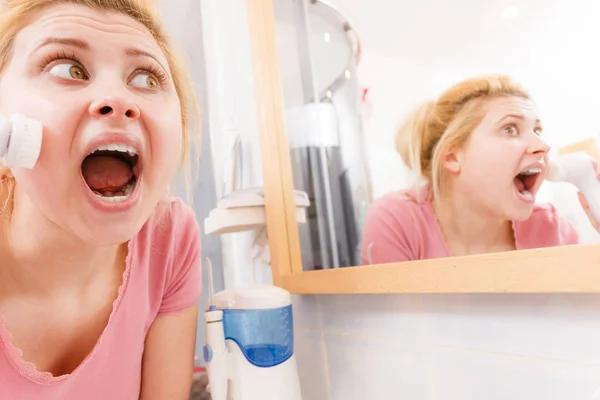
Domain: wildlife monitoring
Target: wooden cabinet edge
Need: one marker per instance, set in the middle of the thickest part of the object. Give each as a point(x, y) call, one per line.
point(565, 269)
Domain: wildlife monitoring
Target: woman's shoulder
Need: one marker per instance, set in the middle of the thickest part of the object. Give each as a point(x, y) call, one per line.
point(172, 221)
point(401, 226)
point(403, 212)
point(544, 213)
point(402, 203)
point(545, 227)
point(167, 253)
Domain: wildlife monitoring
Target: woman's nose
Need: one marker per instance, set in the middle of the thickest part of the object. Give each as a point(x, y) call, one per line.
point(537, 145)
point(114, 107)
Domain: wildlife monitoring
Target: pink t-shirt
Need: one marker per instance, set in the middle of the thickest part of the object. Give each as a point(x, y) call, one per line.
point(162, 276)
point(402, 227)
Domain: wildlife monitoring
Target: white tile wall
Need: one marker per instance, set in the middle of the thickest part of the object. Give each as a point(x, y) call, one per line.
point(393, 317)
point(312, 364)
point(446, 347)
point(362, 367)
point(460, 374)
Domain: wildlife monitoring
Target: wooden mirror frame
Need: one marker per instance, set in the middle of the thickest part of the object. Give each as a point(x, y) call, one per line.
point(563, 269)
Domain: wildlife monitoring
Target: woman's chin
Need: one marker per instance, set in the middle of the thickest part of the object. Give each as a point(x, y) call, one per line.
point(109, 234)
point(521, 213)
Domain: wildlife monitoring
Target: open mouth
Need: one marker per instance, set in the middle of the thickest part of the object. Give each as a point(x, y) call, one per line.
point(112, 171)
point(525, 182)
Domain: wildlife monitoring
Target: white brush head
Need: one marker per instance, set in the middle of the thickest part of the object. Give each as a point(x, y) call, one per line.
point(25, 143)
point(555, 172)
point(576, 168)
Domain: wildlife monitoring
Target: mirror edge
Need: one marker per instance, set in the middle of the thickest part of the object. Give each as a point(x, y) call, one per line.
point(562, 269)
point(282, 228)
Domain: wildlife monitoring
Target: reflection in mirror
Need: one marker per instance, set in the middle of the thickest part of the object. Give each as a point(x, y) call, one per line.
point(413, 148)
point(318, 52)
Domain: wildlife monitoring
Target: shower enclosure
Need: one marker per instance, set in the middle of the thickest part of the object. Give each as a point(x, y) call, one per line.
point(319, 51)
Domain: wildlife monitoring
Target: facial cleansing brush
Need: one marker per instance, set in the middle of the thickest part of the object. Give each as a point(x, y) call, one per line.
point(20, 141)
point(580, 170)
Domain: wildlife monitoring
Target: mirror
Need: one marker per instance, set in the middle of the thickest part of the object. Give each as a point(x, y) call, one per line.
point(351, 73)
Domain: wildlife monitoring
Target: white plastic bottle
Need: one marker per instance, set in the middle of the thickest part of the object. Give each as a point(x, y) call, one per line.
point(580, 170)
point(20, 141)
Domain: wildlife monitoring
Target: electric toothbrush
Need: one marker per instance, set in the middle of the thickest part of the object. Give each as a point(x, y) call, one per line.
point(215, 350)
point(20, 141)
point(580, 170)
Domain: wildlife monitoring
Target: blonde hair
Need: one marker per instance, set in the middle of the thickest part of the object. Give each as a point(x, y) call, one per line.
point(434, 127)
point(17, 14)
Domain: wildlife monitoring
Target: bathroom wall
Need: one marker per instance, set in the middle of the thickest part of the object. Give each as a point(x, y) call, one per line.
point(448, 347)
point(184, 24)
point(232, 114)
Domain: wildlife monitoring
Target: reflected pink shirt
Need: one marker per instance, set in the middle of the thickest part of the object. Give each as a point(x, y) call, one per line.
point(403, 227)
point(162, 276)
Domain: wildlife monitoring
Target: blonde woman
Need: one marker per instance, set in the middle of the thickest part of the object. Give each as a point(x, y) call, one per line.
point(99, 271)
point(480, 154)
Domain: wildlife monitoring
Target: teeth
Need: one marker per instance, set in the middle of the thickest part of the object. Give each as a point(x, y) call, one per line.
point(123, 148)
point(531, 171)
point(122, 195)
point(526, 193)
point(114, 199)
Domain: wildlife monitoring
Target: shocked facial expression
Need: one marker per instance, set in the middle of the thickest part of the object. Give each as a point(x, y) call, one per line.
point(503, 163)
point(112, 134)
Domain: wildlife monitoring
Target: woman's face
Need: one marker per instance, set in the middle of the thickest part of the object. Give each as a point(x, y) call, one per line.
point(503, 163)
point(100, 84)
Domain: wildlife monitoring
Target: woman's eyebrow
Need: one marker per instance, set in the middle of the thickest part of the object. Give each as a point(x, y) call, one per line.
point(82, 44)
point(66, 41)
point(517, 116)
point(133, 52)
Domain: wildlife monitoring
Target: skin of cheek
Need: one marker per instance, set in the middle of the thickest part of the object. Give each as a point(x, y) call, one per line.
point(50, 182)
point(53, 185)
point(488, 170)
point(166, 143)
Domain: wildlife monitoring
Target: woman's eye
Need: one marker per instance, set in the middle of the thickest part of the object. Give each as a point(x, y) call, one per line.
point(69, 71)
point(511, 130)
point(145, 80)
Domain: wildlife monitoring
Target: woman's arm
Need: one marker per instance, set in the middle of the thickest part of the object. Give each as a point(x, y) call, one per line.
point(168, 363)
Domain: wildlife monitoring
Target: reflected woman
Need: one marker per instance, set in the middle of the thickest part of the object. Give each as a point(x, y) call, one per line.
point(480, 153)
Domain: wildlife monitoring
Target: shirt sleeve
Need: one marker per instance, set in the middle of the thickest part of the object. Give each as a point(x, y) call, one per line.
point(184, 286)
point(545, 228)
point(566, 231)
point(389, 235)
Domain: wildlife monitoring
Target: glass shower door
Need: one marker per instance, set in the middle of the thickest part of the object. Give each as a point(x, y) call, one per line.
point(318, 54)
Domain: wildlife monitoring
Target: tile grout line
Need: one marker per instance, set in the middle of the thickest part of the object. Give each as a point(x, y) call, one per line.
point(324, 349)
point(426, 349)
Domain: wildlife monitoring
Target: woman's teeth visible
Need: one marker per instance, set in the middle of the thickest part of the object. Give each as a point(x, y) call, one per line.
point(114, 197)
point(122, 148)
point(531, 171)
point(527, 194)
point(524, 182)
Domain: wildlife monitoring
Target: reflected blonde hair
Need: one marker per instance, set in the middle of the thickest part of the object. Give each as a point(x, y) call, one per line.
point(435, 127)
point(17, 14)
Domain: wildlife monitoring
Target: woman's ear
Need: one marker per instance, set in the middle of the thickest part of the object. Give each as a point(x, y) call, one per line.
point(452, 160)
